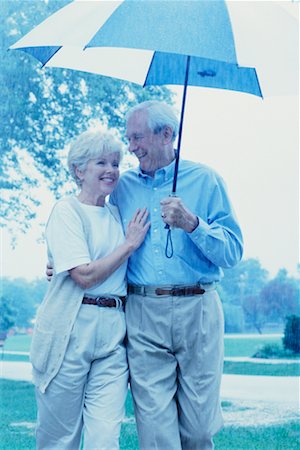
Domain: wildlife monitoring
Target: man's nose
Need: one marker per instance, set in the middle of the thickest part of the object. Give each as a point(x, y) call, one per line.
point(131, 146)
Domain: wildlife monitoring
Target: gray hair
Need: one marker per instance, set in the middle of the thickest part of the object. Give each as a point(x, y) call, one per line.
point(160, 115)
point(89, 145)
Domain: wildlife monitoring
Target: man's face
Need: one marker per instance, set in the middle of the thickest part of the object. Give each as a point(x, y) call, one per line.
point(148, 147)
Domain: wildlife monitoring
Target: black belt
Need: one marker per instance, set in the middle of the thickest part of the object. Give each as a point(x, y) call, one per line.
point(175, 291)
point(106, 302)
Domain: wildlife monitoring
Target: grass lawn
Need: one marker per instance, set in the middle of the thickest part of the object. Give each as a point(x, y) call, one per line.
point(235, 346)
point(18, 413)
point(252, 368)
point(276, 437)
point(18, 342)
point(7, 357)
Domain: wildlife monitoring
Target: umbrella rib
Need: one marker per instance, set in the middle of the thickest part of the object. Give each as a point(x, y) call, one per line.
point(50, 57)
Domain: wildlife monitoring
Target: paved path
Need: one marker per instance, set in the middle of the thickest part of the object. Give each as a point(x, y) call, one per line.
point(235, 387)
point(261, 388)
point(261, 360)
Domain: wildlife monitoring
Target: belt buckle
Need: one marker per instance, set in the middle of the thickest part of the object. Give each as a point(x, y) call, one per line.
point(119, 303)
point(98, 301)
point(176, 291)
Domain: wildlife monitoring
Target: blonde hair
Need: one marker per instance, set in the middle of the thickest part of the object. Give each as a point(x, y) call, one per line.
point(89, 145)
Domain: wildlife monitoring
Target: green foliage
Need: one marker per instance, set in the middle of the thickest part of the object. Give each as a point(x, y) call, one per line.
point(24, 297)
point(291, 339)
point(272, 351)
point(7, 313)
point(43, 109)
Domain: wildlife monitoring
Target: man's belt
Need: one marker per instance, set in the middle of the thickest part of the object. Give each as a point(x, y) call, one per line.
point(106, 302)
point(175, 291)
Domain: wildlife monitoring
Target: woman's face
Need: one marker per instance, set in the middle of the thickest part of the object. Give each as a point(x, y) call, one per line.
point(101, 174)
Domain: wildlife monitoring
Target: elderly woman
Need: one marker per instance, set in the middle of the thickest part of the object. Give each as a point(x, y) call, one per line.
point(78, 354)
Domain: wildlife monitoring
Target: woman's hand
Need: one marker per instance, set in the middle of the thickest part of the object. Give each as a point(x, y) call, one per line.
point(137, 228)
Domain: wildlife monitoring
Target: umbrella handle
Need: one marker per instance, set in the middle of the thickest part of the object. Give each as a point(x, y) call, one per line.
point(169, 244)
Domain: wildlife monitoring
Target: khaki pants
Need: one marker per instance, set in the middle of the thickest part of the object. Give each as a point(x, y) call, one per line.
point(90, 388)
point(175, 353)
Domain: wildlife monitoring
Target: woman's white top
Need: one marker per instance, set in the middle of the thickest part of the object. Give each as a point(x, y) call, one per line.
point(68, 246)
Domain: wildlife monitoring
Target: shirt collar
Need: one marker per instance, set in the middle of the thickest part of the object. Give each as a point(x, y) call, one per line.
point(166, 173)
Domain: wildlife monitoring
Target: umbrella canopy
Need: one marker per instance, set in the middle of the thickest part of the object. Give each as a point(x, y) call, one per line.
point(145, 42)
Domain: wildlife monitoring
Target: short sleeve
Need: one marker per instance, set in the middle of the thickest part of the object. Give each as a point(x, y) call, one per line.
point(67, 245)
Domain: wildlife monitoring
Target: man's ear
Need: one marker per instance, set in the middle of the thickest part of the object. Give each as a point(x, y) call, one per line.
point(167, 133)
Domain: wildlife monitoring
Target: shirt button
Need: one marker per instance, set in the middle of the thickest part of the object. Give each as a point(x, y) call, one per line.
point(155, 209)
point(156, 250)
point(155, 188)
point(160, 272)
point(155, 230)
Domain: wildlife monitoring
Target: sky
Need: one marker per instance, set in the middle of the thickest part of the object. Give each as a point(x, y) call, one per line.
point(252, 143)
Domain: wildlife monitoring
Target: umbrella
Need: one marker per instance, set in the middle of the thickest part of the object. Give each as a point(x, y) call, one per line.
point(147, 42)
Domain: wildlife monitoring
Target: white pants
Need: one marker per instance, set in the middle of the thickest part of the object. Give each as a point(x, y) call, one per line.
point(175, 353)
point(90, 389)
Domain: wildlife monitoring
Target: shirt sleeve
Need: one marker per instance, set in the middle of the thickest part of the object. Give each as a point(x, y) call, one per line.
point(67, 245)
point(219, 237)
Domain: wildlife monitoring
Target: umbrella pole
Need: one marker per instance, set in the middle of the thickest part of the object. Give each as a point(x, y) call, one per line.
point(181, 124)
point(169, 243)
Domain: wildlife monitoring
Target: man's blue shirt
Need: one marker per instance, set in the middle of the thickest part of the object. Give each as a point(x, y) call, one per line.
point(198, 256)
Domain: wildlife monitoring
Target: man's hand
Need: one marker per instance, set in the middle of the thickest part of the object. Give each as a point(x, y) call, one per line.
point(49, 271)
point(175, 214)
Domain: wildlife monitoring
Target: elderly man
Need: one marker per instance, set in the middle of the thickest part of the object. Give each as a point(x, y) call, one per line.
point(173, 312)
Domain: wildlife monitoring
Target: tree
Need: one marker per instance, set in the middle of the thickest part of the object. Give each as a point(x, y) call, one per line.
point(280, 297)
point(291, 339)
point(41, 110)
point(24, 297)
point(7, 316)
point(245, 279)
point(239, 292)
point(253, 311)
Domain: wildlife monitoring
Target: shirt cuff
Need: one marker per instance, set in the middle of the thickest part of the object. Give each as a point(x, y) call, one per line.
point(198, 236)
